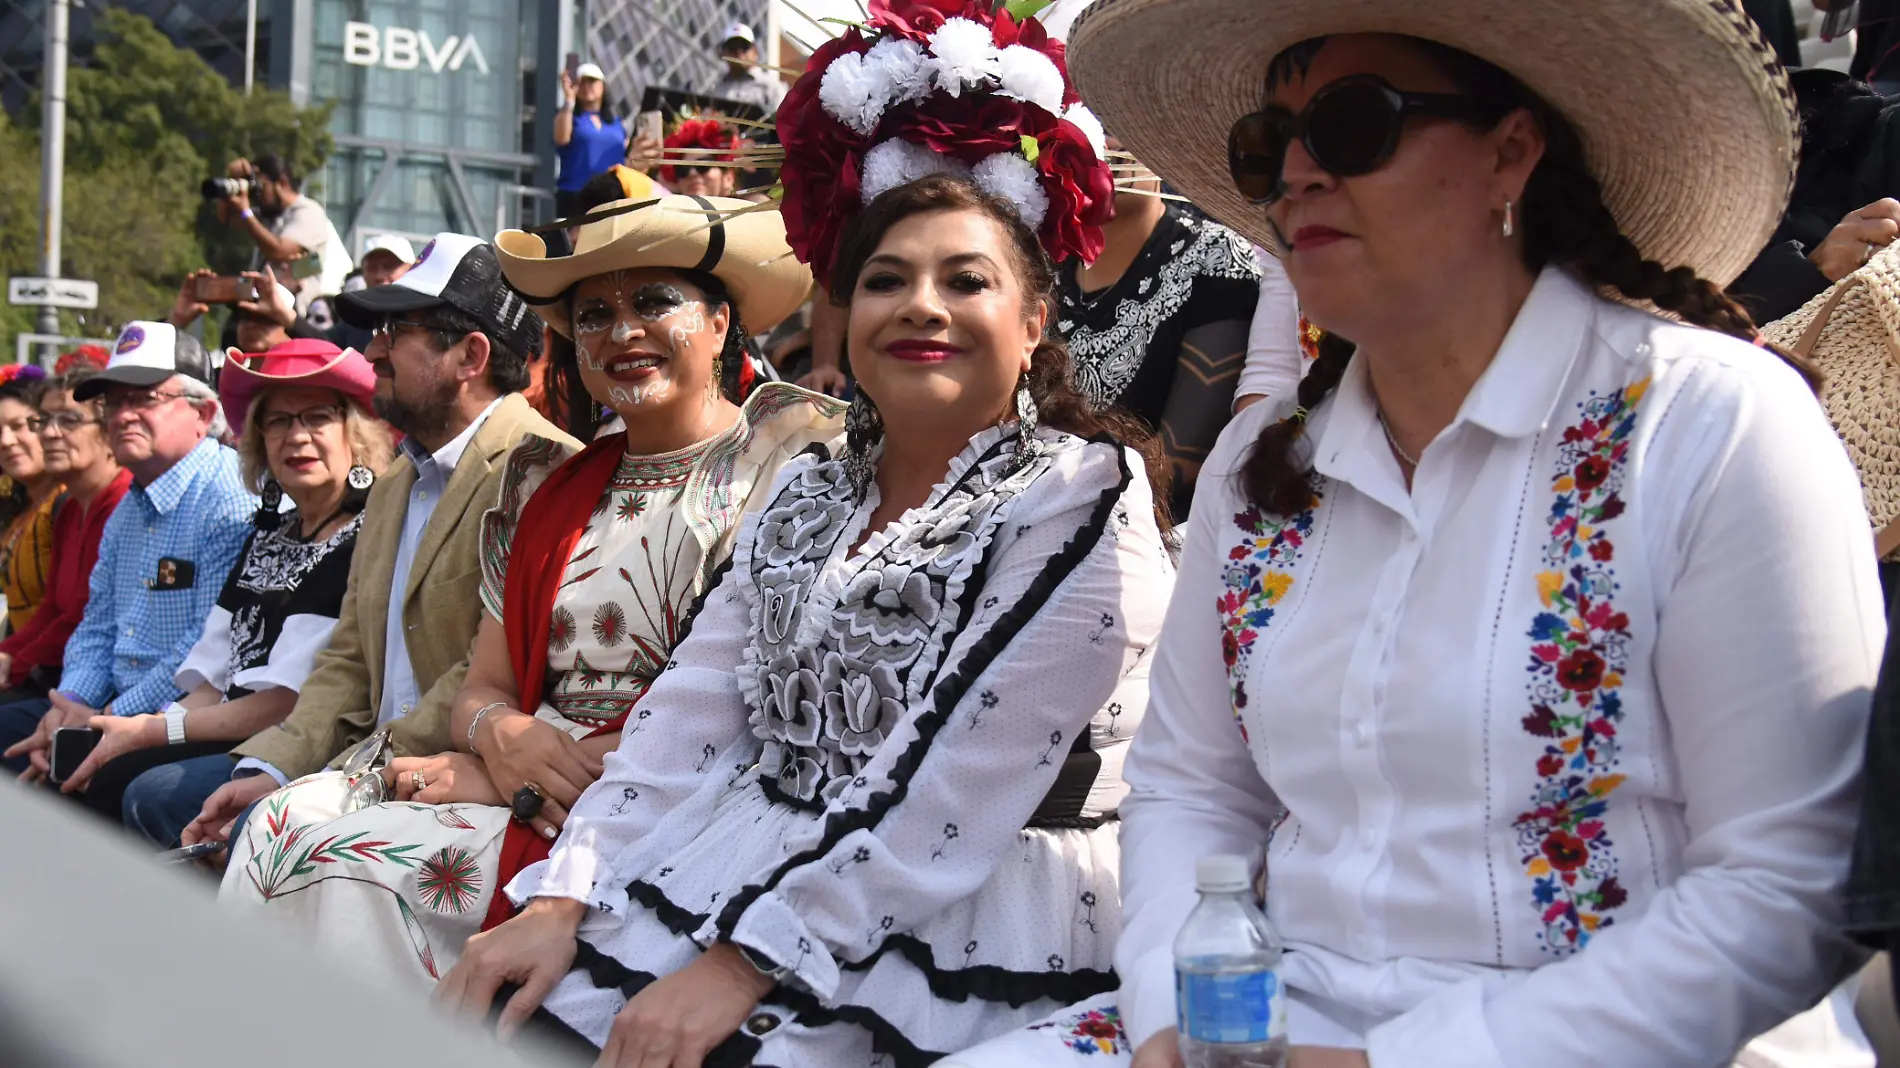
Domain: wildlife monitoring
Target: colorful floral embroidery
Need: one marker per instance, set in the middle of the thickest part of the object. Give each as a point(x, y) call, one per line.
point(1092, 1031)
point(450, 881)
point(1578, 657)
point(1257, 578)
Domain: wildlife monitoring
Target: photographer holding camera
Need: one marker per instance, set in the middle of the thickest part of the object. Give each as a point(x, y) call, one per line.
point(291, 231)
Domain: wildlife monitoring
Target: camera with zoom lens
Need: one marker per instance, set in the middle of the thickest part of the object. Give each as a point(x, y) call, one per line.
point(226, 188)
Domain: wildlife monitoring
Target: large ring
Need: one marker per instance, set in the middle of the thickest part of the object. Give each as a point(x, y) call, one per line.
point(527, 802)
point(421, 783)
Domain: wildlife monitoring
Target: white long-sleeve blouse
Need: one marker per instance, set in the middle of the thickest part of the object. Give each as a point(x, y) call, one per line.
point(1555, 755)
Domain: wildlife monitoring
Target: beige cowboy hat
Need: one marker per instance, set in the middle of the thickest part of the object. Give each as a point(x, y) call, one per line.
point(1686, 118)
point(736, 241)
point(1852, 333)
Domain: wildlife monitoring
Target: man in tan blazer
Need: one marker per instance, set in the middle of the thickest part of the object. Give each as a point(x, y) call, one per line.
point(450, 353)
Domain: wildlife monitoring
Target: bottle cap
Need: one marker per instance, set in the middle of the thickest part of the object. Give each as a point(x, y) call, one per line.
point(1222, 873)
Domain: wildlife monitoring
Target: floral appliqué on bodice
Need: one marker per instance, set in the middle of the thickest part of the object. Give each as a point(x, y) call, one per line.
point(843, 643)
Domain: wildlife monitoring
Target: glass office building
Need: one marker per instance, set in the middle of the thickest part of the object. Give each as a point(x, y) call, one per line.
point(442, 121)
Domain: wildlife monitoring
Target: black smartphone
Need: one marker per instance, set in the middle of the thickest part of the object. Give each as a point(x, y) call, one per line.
point(190, 852)
point(71, 747)
point(573, 66)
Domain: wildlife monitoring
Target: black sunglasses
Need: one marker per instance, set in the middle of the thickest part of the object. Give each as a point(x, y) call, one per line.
point(1351, 127)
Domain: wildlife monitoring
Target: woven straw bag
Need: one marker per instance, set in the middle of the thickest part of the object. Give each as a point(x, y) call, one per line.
point(1852, 332)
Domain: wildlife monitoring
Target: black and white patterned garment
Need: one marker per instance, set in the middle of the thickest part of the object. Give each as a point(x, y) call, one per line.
point(1167, 341)
point(906, 790)
point(275, 613)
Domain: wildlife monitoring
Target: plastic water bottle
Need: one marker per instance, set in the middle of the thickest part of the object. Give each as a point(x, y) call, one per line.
point(1230, 1004)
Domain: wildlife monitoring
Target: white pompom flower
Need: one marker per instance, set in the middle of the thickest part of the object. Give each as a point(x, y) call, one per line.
point(896, 161)
point(904, 67)
point(1016, 180)
point(966, 54)
point(1091, 128)
point(1031, 77)
point(854, 93)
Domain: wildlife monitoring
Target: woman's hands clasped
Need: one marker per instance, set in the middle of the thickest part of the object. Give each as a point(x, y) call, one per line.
point(519, 749)
point(442, 780)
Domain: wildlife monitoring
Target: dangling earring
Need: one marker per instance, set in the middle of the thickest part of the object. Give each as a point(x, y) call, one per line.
point(1028, 446)
point(715, 386)
point(356, 493)
point(863, 429)
point(268, 503)
point(1510, 217)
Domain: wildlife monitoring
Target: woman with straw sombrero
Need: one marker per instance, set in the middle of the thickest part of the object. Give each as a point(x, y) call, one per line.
point(1533, 640)
point(591, 567)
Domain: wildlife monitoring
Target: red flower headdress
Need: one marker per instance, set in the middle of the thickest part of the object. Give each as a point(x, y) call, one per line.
point(942, 86)
point(93, 356)
point(709, 134)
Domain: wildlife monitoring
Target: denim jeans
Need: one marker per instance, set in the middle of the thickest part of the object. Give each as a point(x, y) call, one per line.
point(162, 801)
point(18, 721)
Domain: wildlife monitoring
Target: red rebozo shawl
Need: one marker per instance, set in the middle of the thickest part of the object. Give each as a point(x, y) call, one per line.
point(549, 527)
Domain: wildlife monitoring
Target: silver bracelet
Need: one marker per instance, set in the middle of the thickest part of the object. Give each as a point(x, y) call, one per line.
point(477, 721)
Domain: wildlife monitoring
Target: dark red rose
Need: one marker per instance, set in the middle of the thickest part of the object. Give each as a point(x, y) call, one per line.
point(822, 161)
point(918, 19)
point(1549, 764)
point(1229, 647)
point(1565, 851)
point(1611, 895)
point(1591, 472)
point(1095, 1028)
point(1581, 671)
point(1080, 187)
point(971, 127)
point(1602, 551)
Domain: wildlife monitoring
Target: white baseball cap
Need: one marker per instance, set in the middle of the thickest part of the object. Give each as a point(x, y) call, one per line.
point(147, 354)
point(739, 31)
point(589, 70)
point(394, 244)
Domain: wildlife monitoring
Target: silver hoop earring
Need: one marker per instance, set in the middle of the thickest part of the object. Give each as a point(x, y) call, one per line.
point(1510, 217)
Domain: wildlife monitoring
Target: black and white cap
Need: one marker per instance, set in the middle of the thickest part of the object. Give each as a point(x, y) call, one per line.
point(461, 272)
point(150, 353)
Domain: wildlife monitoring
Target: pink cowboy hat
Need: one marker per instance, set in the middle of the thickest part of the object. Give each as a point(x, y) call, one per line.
point(303, 362)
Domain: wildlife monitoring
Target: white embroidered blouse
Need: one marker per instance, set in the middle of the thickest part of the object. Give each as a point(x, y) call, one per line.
point(1555, 756)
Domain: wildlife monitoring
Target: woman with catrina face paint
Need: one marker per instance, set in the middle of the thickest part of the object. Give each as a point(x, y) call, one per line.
point(592, 566)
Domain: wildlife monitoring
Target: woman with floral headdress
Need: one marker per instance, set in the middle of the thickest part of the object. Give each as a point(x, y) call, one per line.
point(872, 815)
point(1533, 638)
point(592, 567)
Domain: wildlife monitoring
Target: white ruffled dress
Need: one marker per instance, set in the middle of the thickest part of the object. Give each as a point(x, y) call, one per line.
point(905, 791)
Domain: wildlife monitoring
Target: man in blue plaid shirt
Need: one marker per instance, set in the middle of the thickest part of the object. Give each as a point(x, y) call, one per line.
point(165, 552)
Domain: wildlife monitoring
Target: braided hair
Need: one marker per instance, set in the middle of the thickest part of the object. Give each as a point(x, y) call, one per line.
point(1564, 221)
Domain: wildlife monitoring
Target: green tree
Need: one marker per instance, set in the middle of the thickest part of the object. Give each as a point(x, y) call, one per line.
point(146, 122)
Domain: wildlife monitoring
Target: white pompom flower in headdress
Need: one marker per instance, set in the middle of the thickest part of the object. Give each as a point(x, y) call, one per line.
point(1015, 179)
point(905, 69)
point(853, 93)
point(1084, 120)
point(966, 55)
point(896, 161)
point(1031, 77)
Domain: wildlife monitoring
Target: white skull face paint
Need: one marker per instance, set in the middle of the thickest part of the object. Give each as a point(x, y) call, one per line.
point(614, 313)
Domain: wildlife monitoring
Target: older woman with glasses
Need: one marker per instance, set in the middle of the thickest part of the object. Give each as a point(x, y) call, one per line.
point(73, 444)
point(306, 435)
point(28, 496)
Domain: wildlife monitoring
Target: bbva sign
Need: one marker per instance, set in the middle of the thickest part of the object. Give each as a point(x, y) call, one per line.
point(403, 49)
